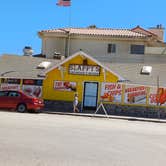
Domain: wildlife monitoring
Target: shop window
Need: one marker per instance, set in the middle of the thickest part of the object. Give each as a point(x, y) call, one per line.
point(10, 81)
point(13, 81)
point(28, 82)
point(111, 48)
point(39, 82)
point(137, 49)
point(4, 80)
point(32, 82)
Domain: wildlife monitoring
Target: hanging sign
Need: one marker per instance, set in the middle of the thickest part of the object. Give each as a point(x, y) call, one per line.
point(34, 90)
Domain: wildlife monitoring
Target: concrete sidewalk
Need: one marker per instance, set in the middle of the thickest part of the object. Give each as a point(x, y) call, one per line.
point(108, 116)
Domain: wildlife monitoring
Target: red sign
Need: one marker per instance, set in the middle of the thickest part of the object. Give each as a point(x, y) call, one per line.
point(65, 86)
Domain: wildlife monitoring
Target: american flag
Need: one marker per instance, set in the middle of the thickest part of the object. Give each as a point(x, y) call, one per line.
point(64, 2)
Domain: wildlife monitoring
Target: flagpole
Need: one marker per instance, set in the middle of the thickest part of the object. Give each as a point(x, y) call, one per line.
point(67, 3)
point(69, 16)
point(68, 51)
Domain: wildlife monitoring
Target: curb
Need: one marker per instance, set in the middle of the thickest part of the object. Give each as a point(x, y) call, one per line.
point(107, 116)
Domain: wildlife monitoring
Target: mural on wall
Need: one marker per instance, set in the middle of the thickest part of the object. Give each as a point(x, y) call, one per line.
point(135, 94)
point(33, 90)
point(157, 96)
point(111, 92)
point(65, 86)
point(32, 87)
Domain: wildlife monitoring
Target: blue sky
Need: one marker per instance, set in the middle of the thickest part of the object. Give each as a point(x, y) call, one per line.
point(21, 20)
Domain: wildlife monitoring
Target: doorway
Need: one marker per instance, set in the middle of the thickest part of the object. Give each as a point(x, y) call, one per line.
point(90, 95)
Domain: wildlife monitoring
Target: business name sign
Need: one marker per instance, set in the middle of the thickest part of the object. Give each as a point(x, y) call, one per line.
point(84, 69)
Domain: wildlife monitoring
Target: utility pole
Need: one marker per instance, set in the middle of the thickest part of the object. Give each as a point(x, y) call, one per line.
point(158, 96)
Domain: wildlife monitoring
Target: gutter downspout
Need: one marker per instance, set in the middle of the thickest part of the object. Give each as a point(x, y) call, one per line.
point(67, 42)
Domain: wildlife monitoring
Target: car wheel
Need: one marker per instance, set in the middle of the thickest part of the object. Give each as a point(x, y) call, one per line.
point(21, 108)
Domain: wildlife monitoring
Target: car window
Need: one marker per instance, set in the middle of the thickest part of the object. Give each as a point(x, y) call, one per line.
point(28, 94)
point(15, 94)
point(3, 93)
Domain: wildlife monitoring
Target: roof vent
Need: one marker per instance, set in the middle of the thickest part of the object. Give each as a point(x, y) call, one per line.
point(57, 55)
point(28, 51)
point(146, 70)
point(44, 65)
point(92, 26)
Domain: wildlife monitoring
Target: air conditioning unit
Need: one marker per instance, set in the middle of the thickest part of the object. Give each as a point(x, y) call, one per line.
point(146, 70)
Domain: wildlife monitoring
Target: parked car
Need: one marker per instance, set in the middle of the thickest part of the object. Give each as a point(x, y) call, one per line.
point(20, 101)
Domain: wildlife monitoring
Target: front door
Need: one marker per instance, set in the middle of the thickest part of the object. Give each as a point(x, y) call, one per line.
point(90, 95)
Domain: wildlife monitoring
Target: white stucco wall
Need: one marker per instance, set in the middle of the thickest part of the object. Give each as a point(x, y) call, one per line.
point(50, 45)
point(95, 48)
point(155, 50)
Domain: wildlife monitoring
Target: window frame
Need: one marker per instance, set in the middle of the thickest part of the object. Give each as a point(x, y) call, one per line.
point(111, 48)
point(139, 49)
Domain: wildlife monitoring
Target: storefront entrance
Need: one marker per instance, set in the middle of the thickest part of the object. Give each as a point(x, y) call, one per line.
point(90, 95)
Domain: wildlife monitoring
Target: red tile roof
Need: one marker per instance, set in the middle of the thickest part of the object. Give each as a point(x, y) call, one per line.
point(143, 31)
point(98, 32)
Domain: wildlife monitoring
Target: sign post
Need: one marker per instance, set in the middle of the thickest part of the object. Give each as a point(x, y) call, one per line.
point(101, 106)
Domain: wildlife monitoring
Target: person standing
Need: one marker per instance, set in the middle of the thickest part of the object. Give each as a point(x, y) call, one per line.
point(75, 103)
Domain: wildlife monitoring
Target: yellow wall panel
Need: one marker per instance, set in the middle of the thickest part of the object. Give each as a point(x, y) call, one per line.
point(61, 73)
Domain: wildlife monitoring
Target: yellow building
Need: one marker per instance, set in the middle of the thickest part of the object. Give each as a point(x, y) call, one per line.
point(80, 74)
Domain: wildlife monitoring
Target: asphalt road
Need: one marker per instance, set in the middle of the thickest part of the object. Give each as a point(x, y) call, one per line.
point(59, 140)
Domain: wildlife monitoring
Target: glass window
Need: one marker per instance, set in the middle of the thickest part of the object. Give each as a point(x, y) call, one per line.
point(32, 82)
point(137, 49)
point(13, 81)
point(111, 48)
point(29, 82)
point(15, 94)
point(4, 80)
point(39, 82)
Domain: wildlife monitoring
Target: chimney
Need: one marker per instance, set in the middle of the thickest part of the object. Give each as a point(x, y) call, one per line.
point(159, 31)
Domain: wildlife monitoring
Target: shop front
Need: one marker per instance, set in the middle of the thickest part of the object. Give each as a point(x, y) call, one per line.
point(29, 86)
point(80, 74)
